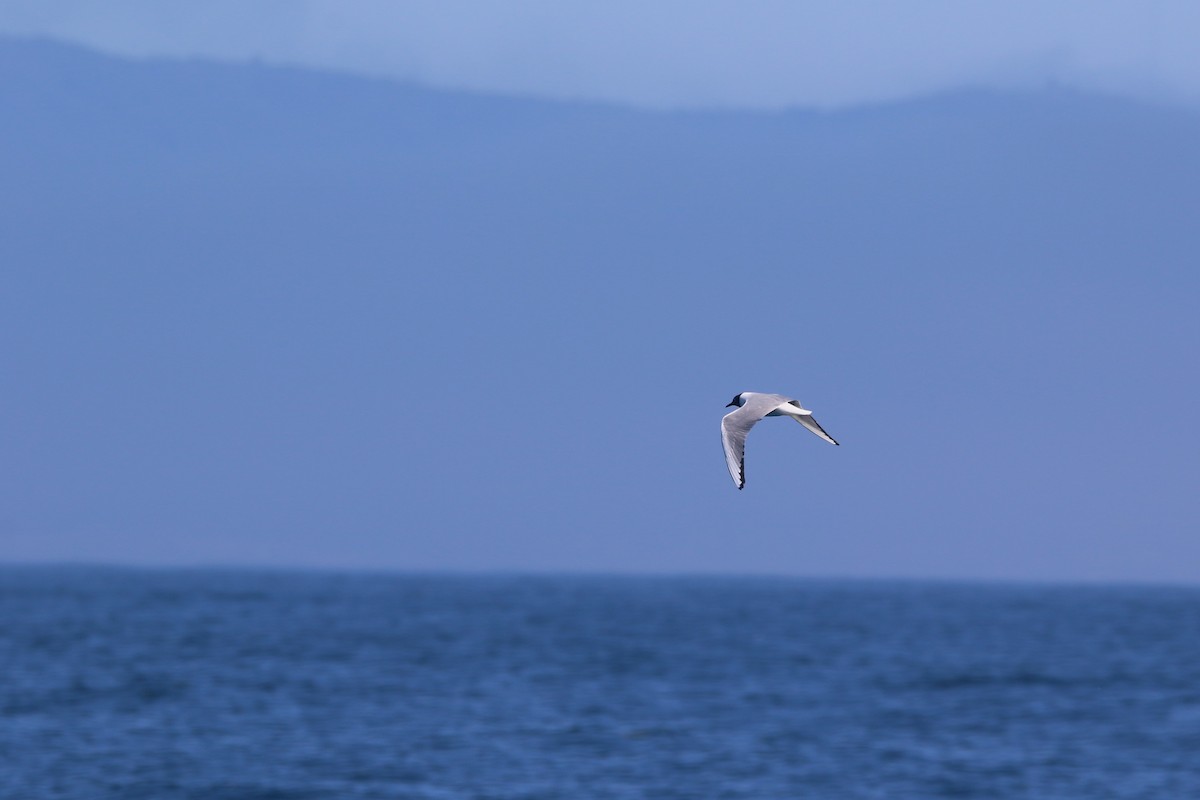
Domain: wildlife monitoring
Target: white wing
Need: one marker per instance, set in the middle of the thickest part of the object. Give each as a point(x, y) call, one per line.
point(737, 424)
point(810, 423)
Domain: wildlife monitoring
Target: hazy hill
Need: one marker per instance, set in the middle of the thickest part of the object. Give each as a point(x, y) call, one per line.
point(260, 314)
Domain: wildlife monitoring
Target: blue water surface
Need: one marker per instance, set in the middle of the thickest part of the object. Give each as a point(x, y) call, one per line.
point(254, 685)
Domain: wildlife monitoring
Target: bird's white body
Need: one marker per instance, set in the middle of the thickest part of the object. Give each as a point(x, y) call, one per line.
point(789, 410)
point(751, 407)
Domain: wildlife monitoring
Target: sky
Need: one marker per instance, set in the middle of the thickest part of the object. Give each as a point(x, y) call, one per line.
point(256, 315)
point(698, 53)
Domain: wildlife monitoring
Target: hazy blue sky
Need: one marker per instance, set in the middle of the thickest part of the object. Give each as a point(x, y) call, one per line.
point(258, 315)
point(670, 53)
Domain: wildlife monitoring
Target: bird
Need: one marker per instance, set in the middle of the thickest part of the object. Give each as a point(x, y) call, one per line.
point(751, 407)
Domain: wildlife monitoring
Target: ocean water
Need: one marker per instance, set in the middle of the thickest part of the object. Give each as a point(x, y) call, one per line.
point(224, 684)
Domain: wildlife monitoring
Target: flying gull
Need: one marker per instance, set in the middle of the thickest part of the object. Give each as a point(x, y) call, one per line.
point(753, 406)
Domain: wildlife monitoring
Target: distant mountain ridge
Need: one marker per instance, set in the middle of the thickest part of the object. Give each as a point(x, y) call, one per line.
point(39, 77)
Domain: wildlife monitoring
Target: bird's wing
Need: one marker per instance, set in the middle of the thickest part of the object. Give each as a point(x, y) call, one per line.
point(736, 425)
point(810, 423)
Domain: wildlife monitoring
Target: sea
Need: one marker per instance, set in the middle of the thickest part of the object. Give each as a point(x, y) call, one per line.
point(275, 685)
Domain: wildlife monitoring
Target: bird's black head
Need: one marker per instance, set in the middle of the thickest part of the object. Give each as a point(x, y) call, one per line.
point(737, 401)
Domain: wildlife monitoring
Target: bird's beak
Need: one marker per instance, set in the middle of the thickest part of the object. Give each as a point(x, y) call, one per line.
point(727, 405)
